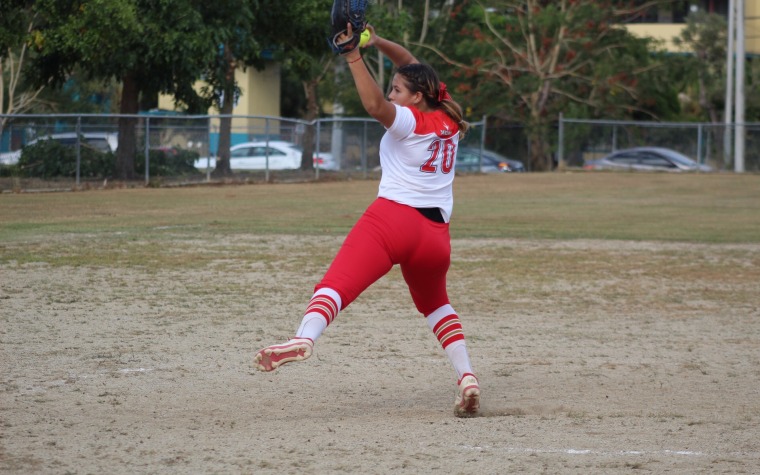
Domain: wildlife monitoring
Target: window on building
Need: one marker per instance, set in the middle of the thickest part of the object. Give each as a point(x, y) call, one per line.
point(677, 11)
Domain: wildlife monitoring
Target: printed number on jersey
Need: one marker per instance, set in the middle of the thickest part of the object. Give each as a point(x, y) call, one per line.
point(443, 152)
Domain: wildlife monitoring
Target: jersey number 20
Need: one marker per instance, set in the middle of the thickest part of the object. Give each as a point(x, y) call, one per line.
point(446, 150)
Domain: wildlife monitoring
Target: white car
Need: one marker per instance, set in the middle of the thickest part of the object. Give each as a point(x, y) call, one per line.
point(102, 141)
point(275, 155)
point(325, 161)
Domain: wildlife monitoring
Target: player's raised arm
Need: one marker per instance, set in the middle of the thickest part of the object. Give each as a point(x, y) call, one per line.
point(399, 55)
point(371, 95)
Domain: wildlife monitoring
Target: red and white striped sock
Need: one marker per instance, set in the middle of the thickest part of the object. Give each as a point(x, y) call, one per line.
point(445, 324)
point(321, 311)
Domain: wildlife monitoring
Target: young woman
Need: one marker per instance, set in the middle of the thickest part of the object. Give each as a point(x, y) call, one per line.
point(408, 223)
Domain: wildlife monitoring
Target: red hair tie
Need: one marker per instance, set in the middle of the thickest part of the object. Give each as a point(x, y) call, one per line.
point(443, 94)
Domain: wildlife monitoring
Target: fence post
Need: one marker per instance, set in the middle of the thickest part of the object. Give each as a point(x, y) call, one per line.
point(147, 150)
point(79, 149)
point(482, 143)
point(208, 151)
point(364, 147)
point(266, 158)
point(699, 144)
point(561, 138)
point(315, 163)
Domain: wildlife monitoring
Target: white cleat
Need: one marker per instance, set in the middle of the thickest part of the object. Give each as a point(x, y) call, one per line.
point(271, 357)
point(468, 396)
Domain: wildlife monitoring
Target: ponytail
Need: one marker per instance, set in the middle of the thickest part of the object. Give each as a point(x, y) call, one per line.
point(454, 110)
point(423, 78)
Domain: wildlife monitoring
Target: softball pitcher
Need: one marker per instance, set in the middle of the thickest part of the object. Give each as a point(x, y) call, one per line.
point(408, 223)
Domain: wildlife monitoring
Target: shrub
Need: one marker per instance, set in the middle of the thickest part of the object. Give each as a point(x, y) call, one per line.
point(168, 161)
point(8, 171)
point(49, 159)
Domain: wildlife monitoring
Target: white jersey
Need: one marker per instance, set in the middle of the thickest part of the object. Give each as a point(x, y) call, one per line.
point(417, 155)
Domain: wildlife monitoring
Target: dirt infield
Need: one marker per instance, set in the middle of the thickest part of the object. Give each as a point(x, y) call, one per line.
point(594, 357)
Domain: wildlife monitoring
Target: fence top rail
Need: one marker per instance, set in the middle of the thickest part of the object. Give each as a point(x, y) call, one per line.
point(188, 117)
point(344, 119)
point(152, 116)
point(656, 124)
point(359, 119)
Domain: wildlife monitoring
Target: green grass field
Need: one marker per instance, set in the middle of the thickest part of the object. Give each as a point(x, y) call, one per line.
point(694, 208)
point(153, 227)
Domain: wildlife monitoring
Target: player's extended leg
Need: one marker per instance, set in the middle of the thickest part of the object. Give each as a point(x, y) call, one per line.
point(321, 311)
point(362, 259)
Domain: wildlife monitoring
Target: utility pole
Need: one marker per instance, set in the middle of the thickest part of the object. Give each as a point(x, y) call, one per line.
point(740, 106)
point(728, 115)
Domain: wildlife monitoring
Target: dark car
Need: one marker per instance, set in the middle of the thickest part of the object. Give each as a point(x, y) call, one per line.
point(469, 161)
point(101, 141)
point(646, 159)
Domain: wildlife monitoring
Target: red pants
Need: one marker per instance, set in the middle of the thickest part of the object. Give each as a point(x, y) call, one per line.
point(390, 233)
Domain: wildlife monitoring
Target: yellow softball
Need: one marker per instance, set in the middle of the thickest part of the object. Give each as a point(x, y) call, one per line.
point(364, 38)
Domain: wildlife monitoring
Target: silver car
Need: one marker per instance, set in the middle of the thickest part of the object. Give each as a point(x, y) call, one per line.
point(647, 159)
point(470, 159)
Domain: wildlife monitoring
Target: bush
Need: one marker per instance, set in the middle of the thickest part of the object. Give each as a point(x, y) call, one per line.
point(8, 171)
point(49, 159)
point(169, 161)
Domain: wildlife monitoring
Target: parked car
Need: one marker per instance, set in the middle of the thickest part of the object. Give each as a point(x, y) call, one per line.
point(469, 160)
point(646, 159)
point(325, 161)
point(101, 141)
point(275, 154)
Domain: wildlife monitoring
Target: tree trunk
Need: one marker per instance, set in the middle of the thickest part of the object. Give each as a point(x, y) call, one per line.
point(125, 153)
point(540, 150)
point(312, 111)
point(223, 167)
point(540, 159)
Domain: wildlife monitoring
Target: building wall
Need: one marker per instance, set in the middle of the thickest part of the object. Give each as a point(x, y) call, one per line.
point(752, 26)
point(664, 32)
point(260, 92)
point(667, 31)
point(259, 96)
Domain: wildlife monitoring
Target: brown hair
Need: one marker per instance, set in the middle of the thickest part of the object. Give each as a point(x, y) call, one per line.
point(422, 78)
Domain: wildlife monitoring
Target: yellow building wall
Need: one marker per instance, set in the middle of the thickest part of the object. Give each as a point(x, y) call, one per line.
point(259, 93)
point(664, 32)
point(667, 31)
point(752, 26)
point(259, 96)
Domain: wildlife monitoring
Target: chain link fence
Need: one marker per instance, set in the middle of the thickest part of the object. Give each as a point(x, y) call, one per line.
point(706, 143)
point(178, 148)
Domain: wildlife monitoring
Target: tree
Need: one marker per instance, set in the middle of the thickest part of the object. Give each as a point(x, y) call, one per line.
point(300, 29)
point(231, 25)
point(291, 32)
point(150, 47)
point(705, 36)
point(16, 23)
point(15, 18)
point(540, 57)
